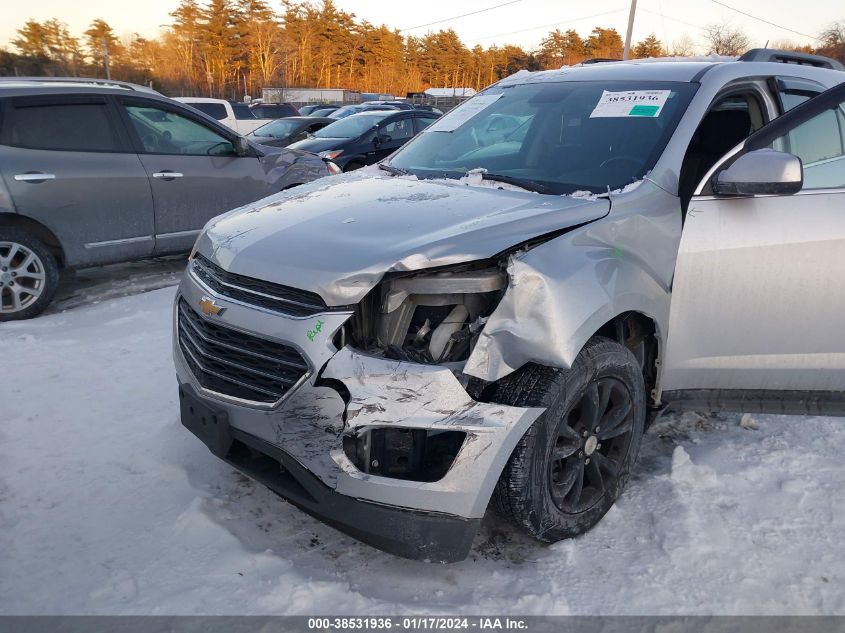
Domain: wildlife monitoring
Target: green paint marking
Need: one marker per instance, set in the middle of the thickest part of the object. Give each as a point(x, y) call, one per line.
point(644, 110)
point(617, 252)
point(311, 334)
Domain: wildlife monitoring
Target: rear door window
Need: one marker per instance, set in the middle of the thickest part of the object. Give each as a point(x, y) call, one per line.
point(820, 144)
point(84, 126)
point(242, 111)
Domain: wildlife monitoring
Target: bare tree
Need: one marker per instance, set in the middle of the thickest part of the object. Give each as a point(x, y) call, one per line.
point(682, 47)
point(832, 41)
point(724, 39)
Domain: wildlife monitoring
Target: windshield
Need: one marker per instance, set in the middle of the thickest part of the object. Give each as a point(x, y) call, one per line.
point(277, 129)
point(353, 126)
point(563, 136)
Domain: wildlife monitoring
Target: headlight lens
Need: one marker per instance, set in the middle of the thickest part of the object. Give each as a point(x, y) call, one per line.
point(331, 154)
point(334, 170)
point(196, 244)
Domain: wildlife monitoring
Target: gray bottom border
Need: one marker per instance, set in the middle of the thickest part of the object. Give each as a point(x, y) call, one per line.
point(516, 624)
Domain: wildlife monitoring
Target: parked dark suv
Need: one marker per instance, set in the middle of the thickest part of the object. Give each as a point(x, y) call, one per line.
point(95, 172)
point(367, 137)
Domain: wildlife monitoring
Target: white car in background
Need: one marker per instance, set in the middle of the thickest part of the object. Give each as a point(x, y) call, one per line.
point(236, 116)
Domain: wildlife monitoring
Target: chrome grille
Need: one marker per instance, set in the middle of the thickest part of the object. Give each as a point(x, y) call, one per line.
point(257, 292)
point(236, 364)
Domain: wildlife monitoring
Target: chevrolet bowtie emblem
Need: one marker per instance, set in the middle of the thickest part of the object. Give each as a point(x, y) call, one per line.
point(208, 307)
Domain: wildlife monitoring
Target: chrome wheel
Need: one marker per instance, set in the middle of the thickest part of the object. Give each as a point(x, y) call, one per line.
point(591, 445)
point(22, 277)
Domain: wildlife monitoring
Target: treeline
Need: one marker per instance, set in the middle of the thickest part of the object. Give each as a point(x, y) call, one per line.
point(228, 48)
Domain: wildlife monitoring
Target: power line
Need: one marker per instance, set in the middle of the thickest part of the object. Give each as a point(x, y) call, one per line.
point(546, 26)
point(504, 4)
point(669, 17)
point(722, 4)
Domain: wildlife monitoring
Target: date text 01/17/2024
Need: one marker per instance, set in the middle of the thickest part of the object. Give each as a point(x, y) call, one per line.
point(417, 623)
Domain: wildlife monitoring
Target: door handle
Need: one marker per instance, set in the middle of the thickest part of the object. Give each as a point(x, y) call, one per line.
point(167, 175)
point(35, 177)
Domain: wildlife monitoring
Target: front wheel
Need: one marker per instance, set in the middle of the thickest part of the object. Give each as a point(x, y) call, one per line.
point(572, 464)
point(29, 275)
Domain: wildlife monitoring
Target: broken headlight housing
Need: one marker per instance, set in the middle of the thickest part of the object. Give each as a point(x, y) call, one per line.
point(428, 316)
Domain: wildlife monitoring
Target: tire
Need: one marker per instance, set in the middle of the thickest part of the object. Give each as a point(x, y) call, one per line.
point(352, 166)
point(29, 275)
point(531, 491)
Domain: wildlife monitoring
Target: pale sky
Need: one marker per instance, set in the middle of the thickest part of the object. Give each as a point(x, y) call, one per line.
point(525, 22)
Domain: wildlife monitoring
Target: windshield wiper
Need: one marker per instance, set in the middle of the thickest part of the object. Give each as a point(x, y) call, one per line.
point(524, 183)
point(392, 170)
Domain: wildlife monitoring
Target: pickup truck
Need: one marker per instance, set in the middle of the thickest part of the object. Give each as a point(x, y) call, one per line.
point(236, 116)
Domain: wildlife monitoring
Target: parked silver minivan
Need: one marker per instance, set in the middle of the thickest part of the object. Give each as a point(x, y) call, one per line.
point(95, 172)
point(497, 316)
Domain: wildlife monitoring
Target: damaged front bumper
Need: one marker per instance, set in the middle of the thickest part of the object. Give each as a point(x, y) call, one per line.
point(296, 445)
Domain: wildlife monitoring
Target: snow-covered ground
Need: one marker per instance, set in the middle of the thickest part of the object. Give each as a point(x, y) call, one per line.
point(107, 505)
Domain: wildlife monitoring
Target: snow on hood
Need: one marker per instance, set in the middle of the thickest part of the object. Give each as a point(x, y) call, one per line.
point(338, 236)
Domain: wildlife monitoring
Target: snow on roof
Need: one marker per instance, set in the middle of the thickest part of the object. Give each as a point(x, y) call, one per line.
point(660, 68)
point(690, 58)
point(450, 92)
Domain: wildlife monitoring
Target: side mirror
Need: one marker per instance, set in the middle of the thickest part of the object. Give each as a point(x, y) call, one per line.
point(763, 171)
point(241, 146)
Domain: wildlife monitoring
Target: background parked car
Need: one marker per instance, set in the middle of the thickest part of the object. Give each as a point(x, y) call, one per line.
point(283, 132)
point(399, 105)
point(367, 137)
point(345, 111)
point(103, 172)
point(272, 110)
point(324, 111)
point(430, 108)
point(309, 109)
point(234, 115)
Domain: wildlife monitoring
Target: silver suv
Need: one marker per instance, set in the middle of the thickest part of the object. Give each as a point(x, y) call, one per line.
point(499, 315)
point(94, 172)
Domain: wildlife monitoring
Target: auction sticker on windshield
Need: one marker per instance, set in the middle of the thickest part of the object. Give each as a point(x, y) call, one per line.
point(634, 103)
point(463, 113)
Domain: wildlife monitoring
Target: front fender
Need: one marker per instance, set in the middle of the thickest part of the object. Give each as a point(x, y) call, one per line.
point(563, 291)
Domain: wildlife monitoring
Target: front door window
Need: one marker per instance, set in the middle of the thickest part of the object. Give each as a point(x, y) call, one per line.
point(165, 132)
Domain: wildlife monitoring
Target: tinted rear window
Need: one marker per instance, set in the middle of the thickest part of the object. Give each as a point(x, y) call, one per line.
point(242, 111)
point(275, 111)
point(215, 110)
point(83, 127)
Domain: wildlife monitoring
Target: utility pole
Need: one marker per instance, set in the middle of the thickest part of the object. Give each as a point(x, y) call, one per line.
point(626, 53)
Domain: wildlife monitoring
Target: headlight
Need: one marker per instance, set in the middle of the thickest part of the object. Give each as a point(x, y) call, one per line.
point(334, 170)
point(331, 154)
point(196, 244)
point(427, 317)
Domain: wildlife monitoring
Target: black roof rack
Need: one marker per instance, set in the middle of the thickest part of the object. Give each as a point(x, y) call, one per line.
point(790, 57)
point(600, 60)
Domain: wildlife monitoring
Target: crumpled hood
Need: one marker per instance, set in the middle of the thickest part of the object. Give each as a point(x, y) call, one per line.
point(338, 236)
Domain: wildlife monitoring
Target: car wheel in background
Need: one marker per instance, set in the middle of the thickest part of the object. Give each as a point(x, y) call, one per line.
point(29, 275)
point(572, 464)
point(352, 166)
